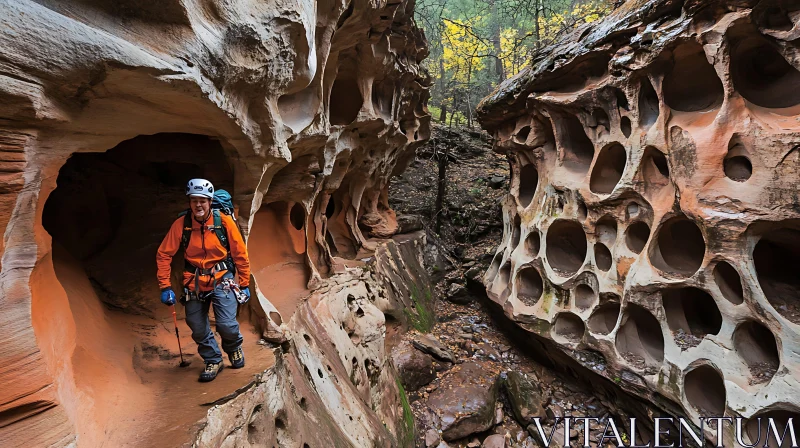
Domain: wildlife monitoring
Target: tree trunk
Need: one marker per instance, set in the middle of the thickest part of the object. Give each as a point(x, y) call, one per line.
point(443, 113)
point(536, 23)
point(469, 102)
point(439, 206)
point(499, 70)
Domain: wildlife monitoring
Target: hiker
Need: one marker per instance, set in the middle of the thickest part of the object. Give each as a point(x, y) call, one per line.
point(214, 254)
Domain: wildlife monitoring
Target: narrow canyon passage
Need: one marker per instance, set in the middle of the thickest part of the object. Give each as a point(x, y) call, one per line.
point(96, 299)
point(603, 219)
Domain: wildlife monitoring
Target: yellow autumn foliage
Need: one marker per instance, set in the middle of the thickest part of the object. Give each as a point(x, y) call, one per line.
point(463, 52)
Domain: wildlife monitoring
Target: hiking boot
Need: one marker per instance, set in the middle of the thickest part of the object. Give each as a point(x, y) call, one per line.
point(211, 372)
point(237, 358)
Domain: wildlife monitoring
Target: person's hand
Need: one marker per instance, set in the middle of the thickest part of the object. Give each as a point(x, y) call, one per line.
point(167, 296)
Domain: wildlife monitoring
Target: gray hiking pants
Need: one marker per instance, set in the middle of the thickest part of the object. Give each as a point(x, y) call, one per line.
point(225, 306)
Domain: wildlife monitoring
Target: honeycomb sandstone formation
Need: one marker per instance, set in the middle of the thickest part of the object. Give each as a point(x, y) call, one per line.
point(653, 221)
point(303, 110)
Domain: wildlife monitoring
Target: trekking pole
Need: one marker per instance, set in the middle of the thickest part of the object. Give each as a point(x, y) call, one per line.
point(175, 321)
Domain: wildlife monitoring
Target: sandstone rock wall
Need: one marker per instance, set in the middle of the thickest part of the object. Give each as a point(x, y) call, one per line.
point(651, 227)
point(303, 110)
point(334, 384)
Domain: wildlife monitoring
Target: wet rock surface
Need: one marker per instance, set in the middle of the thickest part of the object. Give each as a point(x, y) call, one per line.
point(415, 368)
point(464, 402)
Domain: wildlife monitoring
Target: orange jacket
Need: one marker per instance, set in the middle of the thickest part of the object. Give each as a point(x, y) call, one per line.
point(204, 251)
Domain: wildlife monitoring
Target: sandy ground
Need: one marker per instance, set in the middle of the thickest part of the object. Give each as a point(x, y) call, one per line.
point(119, 374)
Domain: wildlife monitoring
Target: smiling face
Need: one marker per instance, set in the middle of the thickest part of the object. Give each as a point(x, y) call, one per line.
point(200, 207)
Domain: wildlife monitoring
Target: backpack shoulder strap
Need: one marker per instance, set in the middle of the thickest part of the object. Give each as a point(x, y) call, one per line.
point(219, 229)
point(187, 230)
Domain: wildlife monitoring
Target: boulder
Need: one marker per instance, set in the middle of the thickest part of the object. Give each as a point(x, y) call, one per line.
point(465, 400)
point(414, 367)
point(409, 223)
point(432, 438)
point(524, 396)
point(429, 344)
point(457, 293)
point(494, 441)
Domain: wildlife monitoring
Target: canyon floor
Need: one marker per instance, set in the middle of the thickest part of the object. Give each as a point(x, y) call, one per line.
point(468, 329)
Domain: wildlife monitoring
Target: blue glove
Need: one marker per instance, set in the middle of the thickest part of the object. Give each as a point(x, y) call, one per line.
point(168, 297)
point(246, 291)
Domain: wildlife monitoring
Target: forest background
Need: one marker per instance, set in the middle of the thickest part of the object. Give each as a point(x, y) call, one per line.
point(476, 44)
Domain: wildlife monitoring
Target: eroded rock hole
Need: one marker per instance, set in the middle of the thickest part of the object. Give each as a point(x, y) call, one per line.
point(760, 434)
point(738, 168)
point(297, 216)
point(298, 109)
point(729, 282)
point(604, 319)
point(655, 167)
point(583, 212)
point(529, 285)
point(608, 169)
point(636, 236)
point(622, 100)
point(345, 101)
point(679, 247)
point(648, 104)
point(577, 150)
point(522, 134)
point(705, 390)
point(757, 347)
point(606, 230)
point(566, 246)
point(383, 93)
point(528, 182)
point(568, 327)
point(639, 339)
point(777, 261)
point(625, 126)
point(532, 243)
point(763, 76)
point(516, 230)
point(584, 296)
point(691, 314)
point(330, 209)
point(600, 118)
point(692, 84)
point(505, 273)
point(602, 257)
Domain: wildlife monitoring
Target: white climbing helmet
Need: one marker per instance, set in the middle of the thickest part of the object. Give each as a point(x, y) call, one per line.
point(200, 188)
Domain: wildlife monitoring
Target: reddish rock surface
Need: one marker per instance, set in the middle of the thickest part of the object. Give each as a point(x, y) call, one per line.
point(302, 111)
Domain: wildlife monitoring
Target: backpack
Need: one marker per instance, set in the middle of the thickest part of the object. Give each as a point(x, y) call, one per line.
point(221, 203)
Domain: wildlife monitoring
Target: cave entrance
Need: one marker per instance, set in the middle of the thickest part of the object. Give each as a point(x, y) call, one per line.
point(95, 304)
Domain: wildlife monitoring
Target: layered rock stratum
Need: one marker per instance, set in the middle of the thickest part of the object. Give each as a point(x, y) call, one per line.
point(653, 223)
point(303, 111)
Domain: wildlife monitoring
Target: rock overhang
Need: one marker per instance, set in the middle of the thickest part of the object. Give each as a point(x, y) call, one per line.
point(247, 85)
